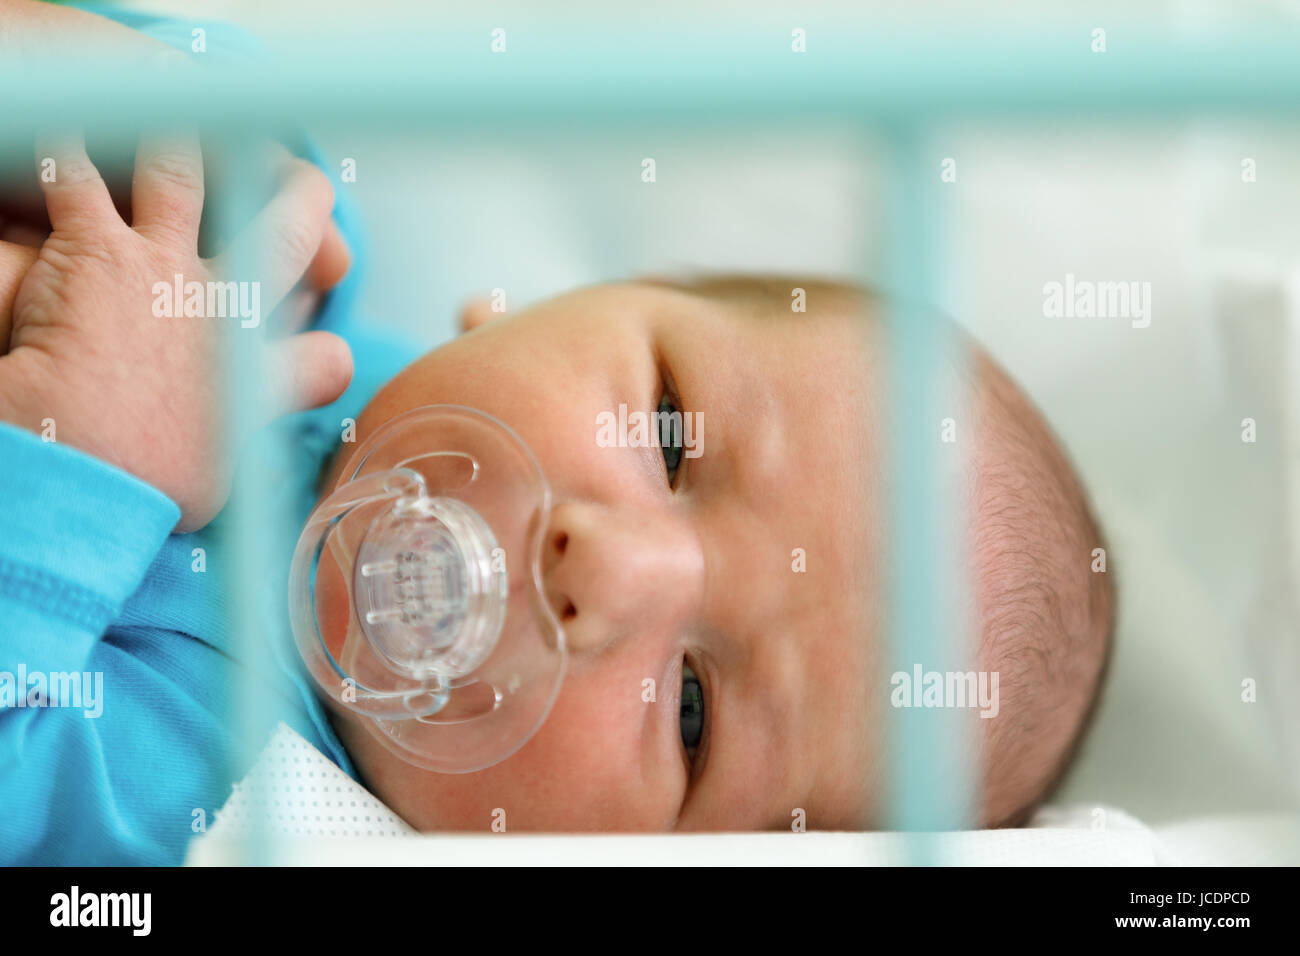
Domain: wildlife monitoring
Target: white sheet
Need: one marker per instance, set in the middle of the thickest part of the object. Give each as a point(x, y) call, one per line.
point(300, 808)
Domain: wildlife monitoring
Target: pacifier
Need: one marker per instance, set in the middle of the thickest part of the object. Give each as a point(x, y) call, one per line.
point(415, 592)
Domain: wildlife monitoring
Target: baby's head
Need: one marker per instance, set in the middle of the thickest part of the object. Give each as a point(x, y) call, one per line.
point(746, 578)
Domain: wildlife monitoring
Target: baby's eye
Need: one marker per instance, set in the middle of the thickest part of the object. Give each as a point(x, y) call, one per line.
point(692, 710)
point(670, 436)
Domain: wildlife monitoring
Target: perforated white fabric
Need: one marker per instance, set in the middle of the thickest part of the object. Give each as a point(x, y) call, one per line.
point(306, 800)
point(295, 790)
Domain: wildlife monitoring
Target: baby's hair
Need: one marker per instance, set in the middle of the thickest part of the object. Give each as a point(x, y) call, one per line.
point(1046, 615)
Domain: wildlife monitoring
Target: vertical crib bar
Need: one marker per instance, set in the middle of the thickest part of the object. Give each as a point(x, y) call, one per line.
point(250, 543)
point(928, 771)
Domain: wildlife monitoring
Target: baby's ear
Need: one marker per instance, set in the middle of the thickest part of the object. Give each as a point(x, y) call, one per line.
point(476, 312)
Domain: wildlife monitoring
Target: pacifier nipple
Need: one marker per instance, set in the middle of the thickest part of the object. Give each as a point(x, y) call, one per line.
point(431, 596)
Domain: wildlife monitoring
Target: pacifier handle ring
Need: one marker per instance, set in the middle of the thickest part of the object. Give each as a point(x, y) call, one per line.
point(422, 697)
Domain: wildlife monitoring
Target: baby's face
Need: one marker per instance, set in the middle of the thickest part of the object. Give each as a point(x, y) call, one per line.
point(749, 564)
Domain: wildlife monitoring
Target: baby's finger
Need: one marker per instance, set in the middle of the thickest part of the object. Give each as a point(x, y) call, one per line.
point(332, 261)
point(295, 311)
point(308, 370)
point(167, 189)
point(75, 194)
point(283, 239)
point(15, 260)
point(333, 258)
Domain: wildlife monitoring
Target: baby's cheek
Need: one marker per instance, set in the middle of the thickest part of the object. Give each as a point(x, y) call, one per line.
point(587, 768)
point(595, 765)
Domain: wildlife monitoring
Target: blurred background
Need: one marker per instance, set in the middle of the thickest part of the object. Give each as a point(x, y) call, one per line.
point(1202, 526)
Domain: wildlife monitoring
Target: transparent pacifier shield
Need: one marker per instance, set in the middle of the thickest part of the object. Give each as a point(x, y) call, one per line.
point(454, 650)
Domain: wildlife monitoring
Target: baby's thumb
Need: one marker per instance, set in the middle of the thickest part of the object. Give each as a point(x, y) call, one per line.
point(306, 371)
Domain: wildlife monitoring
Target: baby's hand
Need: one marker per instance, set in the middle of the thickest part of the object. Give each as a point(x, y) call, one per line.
point(142, 392)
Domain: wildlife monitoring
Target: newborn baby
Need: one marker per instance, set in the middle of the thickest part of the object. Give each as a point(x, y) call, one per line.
point(678, 569)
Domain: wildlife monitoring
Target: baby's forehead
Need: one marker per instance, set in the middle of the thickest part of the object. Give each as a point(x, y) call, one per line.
point(771, 304)
point(787, 330)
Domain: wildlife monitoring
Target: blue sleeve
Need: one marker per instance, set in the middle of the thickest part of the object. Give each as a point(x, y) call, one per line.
point(77, 537)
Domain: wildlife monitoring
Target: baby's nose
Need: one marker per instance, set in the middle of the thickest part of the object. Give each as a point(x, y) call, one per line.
point(608, 571)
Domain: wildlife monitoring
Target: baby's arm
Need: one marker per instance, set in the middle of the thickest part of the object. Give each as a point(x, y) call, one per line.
point(128, 398)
